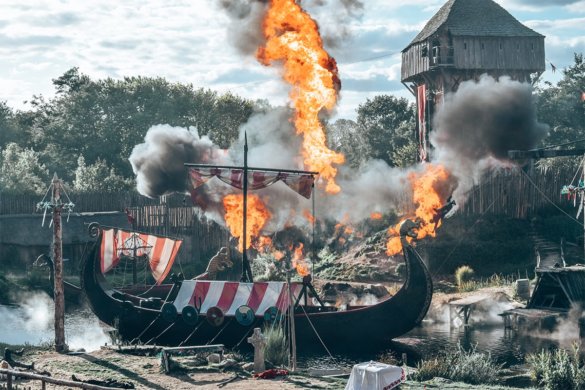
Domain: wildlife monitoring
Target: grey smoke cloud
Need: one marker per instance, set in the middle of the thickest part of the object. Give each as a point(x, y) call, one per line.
point(245, 28)
point(477, 125)
point(159, 162)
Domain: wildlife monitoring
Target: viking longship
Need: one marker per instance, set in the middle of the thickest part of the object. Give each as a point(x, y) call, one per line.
point(193, 312)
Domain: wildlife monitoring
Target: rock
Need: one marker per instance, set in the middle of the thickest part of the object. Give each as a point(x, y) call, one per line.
point(378, 290)
point(213, 358)
point(248, 367)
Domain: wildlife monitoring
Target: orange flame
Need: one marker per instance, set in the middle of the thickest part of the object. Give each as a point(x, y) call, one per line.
point(308, 216)
point(376, 216)
point(292, 37)
point(427, 200)
point(257, 216)
point(298, 261)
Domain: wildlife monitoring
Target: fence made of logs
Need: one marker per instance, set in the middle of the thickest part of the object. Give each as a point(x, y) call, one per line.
point(512, 192)
point(11, 374)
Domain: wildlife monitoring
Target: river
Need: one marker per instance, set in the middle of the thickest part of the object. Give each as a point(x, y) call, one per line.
point(32, 323)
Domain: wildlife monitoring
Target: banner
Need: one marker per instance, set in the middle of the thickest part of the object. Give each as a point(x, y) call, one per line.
point(421, 100)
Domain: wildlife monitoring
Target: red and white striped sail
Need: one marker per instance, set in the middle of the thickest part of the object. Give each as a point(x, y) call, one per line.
point(160, 251)
point(229, 296)
point(300, 183)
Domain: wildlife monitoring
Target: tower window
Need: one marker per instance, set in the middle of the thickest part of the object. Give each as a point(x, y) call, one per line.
point(482, 46)
point(501, 46)
point(464, 45)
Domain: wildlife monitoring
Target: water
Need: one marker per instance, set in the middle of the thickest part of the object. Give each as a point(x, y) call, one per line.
point(32, 322)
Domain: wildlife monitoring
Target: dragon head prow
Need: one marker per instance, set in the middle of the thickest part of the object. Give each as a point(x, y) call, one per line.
point(410, 227)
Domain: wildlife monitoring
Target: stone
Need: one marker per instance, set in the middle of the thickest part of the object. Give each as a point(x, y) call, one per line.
point(213, 358)
point(248, 366)
point(258, 341)
point(227, 363)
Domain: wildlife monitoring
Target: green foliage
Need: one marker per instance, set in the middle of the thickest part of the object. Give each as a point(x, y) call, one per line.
point(106, 118)
point(558, 370)
point(344, 136)
point(560, 106)
point(387, 124)
point(21, 171)
point(463, 275)
point(401, 270)
point(98, 177)
point(276, 351)
point(461, 366)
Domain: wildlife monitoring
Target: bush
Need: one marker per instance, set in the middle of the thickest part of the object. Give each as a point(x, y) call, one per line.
point(276, 351)
point(558, 370)
point(461, 366)
point(463, 275)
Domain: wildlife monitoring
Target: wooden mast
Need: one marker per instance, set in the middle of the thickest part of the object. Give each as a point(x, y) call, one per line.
point(246, 270)
point(59, 295)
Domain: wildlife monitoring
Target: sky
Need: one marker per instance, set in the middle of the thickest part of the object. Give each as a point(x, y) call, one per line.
point(193, 41)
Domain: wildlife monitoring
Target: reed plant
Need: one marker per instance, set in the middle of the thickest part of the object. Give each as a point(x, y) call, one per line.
point(558, 370)
point(276, 351)
point(463, 275)
point(460, 365)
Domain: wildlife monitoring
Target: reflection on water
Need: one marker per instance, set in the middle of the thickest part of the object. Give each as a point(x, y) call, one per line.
point(505, 346)
point(32, 322)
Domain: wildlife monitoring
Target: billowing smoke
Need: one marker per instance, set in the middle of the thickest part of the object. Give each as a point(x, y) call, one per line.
point(477, 125)
point(245, 28)
point(159, 162)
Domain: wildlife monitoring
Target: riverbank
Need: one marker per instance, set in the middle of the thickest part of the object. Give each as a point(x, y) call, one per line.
point(145, 372)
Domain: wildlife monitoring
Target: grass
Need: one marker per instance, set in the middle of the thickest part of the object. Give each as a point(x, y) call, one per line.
point(276, 351)
point(463, 275)
point(558, 370)
point(461, 366)
point(496, 280)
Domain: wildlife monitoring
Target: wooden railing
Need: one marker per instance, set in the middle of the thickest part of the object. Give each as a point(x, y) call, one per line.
point(10, 374)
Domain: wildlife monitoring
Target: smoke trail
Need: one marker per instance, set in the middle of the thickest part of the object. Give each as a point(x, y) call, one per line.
point(477, 125)
point(158, 162)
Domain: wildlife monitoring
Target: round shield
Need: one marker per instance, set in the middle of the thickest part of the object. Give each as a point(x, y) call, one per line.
point(271, 314)
point(168, 312)
point(190, 315)
point(215, 316)
point(245, 315)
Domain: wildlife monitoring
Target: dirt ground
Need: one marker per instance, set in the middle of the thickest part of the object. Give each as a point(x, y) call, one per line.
point(145, 372)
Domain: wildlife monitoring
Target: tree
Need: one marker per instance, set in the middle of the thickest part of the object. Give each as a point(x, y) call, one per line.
point(98, 178)
point(387, 124)
point(562, 107)
point(344, 136)
point(21, 171)
point(9, 131)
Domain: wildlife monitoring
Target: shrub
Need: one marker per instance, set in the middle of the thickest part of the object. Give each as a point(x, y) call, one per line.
point(463, 275)
point(461, 366)
point(557, 370)
point(276, 351)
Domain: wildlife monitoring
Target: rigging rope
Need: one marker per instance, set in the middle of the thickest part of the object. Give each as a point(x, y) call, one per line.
point(548, 199)
point(316, 333)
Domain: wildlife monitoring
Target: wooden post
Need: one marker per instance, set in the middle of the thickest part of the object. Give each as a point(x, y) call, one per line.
point(59, 295)
point(291, 318)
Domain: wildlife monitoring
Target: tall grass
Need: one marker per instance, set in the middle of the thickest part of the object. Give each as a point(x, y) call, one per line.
point(558, 370)
point(276, 351)
point(463, 275)
point(460, 366)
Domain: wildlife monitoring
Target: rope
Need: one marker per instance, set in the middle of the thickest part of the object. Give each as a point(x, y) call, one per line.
point(191, 335)
point(137, 338)
point(316, 333)
point(313, 233)
point(161, 333)
point(577, 172)
point(548, 199)
point(218, 333)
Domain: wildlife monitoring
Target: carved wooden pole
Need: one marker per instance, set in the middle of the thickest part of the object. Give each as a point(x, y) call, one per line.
point(59, 295)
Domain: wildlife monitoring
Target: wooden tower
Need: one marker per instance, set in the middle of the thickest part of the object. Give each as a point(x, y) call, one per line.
point(465, 39)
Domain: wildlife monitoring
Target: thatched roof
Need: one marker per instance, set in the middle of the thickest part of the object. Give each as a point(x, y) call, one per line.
point(474, 18)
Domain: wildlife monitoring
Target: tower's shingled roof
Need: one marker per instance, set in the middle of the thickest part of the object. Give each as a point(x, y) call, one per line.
point(474, 18)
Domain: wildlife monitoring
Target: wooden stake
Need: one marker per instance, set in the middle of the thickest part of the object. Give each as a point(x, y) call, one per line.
point(59, 295)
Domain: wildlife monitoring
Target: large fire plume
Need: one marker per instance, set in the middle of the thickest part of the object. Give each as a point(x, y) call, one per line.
point(257, 216)
point(427, 190)
point(292, 37)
